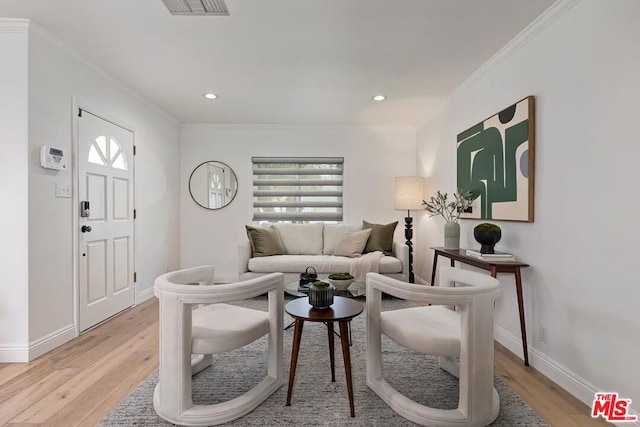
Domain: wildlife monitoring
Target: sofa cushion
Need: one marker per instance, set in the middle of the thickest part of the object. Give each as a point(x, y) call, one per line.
point(264, 241)
point(381, 238)
point(352, 244)
point(301, 239)
point(332, 234)
point(324, 264)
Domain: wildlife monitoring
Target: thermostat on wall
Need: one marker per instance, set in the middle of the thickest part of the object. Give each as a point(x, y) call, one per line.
point(52, 158)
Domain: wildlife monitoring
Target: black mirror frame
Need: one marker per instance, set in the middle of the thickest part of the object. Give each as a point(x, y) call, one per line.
point(224, 165)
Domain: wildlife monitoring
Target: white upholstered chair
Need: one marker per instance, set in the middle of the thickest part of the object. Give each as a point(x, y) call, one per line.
point(212, 327)
point(466, 333)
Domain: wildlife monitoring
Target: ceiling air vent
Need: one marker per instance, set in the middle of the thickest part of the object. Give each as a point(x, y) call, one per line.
point(197, 7)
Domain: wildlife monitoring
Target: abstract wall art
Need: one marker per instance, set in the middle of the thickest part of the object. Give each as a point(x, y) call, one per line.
point(496, 163)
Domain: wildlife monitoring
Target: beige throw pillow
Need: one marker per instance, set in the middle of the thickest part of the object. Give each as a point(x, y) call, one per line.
point(381, 237)
point(352, 244)
point(301, 239)
point(264, 241)
point(333, 233)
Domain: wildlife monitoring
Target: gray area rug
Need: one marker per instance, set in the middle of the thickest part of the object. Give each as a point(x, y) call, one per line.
point(316, 400)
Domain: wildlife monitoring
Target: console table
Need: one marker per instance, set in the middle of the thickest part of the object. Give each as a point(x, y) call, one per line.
point(494, 267)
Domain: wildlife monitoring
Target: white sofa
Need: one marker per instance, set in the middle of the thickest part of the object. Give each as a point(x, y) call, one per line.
point(312, 245)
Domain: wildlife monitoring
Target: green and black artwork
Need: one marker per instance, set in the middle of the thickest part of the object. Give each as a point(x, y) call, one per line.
point(495, 162)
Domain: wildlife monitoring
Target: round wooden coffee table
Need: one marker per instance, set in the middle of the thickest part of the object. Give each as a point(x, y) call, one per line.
point(342, 311)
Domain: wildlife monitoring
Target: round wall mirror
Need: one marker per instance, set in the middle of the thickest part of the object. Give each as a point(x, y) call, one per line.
point(213, 185)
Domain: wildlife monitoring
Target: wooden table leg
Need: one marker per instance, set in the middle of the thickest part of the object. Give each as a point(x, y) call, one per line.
point(297, 335)
point(433, 270)
point(346, 355)
point(523, 328)
point(331, 352)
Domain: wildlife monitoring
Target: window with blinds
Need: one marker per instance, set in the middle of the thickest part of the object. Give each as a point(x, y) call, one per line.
point(297, 189)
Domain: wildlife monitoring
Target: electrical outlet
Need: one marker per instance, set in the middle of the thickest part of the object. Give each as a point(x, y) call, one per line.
point(543, 334)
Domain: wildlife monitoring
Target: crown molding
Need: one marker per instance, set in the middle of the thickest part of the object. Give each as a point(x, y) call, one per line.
point(37, 30)
point(548, 17)
point(231, 126)
point(542, 22)
point(14, 26)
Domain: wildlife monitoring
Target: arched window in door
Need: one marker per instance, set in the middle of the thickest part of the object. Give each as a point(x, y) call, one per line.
point(110, 154)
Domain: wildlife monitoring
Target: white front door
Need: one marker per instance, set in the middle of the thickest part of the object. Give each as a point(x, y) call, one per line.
point(105, 247)
point(216, 186)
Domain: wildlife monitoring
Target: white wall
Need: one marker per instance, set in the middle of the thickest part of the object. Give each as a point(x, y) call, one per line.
point(373, 157)
point(57, 76)
point(13, 188)
point(583, 246)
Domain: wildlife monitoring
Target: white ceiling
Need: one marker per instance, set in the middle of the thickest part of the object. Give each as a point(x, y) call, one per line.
point(288, 61)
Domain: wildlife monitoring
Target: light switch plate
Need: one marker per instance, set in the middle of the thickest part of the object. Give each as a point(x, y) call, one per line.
point(63, 190)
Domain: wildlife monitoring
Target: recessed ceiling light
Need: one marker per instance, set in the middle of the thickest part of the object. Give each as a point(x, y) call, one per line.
point(379, 97)
point(210, 96)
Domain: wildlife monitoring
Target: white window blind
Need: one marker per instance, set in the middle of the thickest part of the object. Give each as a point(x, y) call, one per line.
point(297, 189)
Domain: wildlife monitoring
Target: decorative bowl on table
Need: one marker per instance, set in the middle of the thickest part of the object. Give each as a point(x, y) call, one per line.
point(341, 281)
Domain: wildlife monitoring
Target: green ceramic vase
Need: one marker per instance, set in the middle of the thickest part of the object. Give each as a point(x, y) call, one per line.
point(452, 235)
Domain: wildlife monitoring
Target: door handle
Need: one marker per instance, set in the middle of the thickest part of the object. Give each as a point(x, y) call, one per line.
point(86, 229)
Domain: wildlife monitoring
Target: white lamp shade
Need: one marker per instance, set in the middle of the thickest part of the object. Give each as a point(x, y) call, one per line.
point(409, 192)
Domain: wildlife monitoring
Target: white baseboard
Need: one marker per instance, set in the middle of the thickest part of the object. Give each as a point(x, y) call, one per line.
point(55, 339)
point(25, 353)
point(13, 353)
point(144, 295)
point(582, 389)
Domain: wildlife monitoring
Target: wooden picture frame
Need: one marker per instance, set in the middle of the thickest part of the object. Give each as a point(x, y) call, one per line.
point(495, 161)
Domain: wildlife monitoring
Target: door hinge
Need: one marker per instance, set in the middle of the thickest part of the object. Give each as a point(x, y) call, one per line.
point(135, 214)
point(79, 112)
point(135, 277)
point(134, 150)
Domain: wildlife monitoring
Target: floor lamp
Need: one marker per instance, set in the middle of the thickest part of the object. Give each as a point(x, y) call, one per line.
point(409, 194)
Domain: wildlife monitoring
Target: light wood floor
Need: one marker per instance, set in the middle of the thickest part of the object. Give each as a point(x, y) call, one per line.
point(81, 381)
